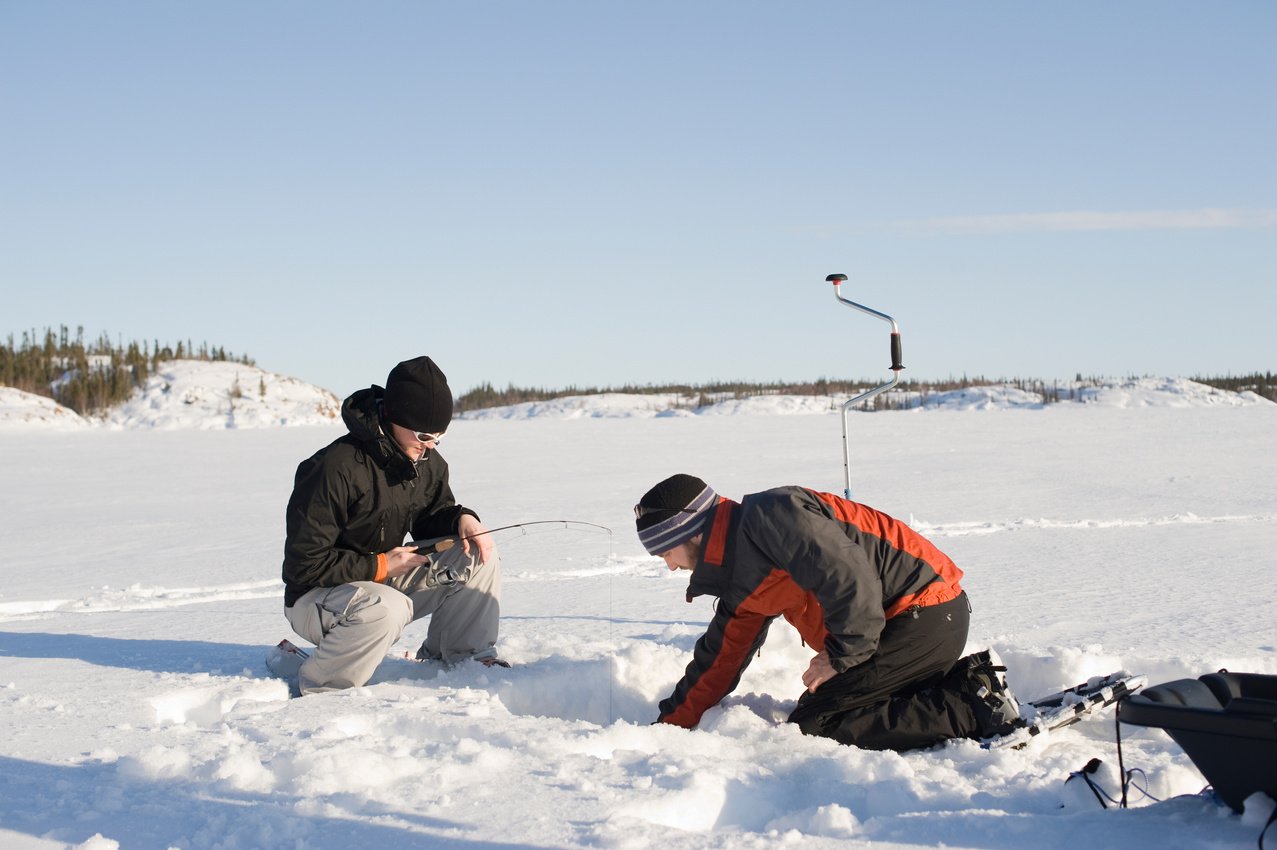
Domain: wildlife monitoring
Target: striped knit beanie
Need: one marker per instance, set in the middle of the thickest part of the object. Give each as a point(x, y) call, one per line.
point(673, 512)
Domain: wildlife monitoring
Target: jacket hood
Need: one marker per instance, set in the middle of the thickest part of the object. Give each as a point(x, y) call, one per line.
point(362, 414)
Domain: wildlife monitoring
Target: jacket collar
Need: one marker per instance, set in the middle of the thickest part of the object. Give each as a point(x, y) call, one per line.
point(713, 568)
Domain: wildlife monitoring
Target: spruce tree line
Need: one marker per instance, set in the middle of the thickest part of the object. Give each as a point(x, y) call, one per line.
point(1260, 383)
point(906, 394)
point(91, 376)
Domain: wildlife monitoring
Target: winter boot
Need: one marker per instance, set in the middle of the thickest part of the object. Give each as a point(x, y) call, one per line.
point(284, 660)
point(487, 657)
point(997, 711)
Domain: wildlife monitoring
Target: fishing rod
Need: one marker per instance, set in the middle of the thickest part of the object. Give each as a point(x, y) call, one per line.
point(426, 547)
point(896, 367)
point(449, 576)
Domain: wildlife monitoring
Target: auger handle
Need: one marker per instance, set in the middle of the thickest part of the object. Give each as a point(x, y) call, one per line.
point(897, 366)
point(897, 349)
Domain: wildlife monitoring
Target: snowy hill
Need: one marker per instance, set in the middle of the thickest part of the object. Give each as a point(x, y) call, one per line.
point(22, 410)
point(189, 395)
point(204, 396)
point(1132, 392)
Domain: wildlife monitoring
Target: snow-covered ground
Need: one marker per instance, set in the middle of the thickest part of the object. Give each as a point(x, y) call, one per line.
point(141, 591)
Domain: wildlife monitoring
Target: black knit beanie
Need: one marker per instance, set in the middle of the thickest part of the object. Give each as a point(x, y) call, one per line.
point(418, 397)
point(673, 512)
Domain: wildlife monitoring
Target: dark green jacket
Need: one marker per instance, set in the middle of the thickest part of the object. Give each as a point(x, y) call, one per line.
point(358, 497)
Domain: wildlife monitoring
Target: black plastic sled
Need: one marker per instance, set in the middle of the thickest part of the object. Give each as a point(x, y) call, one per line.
point(1225, 722)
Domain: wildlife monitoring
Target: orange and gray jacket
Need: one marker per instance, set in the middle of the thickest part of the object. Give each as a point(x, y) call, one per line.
point(835, 569)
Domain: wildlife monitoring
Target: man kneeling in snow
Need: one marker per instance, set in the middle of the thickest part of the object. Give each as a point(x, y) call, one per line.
point(880, 603)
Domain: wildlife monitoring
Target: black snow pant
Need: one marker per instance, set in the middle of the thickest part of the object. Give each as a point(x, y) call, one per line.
point(902, 697)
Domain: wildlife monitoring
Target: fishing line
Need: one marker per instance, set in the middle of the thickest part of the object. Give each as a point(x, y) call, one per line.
point(563, 522)
point(448, 542)
point(611, 639)
point(611, 593)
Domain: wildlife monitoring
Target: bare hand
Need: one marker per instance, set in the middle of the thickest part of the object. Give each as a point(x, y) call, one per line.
point(818, 672)
point(402, 560)
point(472, 531)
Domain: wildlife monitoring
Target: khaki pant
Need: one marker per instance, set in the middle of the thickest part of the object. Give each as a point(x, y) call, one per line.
point(354, 625)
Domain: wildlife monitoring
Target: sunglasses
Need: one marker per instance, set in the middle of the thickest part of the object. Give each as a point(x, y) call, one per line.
point(424, 437)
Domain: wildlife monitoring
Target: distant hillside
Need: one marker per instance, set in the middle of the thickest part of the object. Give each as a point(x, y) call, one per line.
point(187, 395)
point(216, 391)
point(1127, 393)
point(906, 395)
point(198, 395)
point(89, 377)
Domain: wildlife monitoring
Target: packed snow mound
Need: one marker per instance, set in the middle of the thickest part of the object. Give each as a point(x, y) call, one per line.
point(595, 406)
point(782, 405)
point(996, 397)
point(23, 410)
point(1132, 392)
point(1165, 392)
point(199, 395)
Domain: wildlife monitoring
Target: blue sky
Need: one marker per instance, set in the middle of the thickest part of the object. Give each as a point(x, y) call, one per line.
point(598, 193)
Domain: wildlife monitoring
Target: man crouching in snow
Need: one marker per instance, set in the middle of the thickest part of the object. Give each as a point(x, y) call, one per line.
point(350, 585)
point(881, 605)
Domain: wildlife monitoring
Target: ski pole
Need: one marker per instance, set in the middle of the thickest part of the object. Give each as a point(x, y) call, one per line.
point(896, 367)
